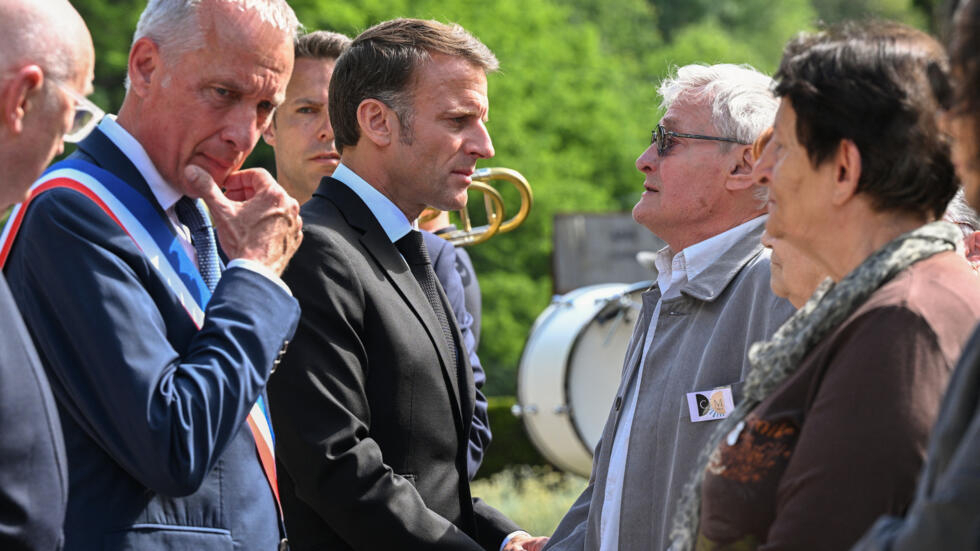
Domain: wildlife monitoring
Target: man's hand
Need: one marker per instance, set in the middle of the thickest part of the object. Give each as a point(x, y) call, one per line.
point(525, 542)
point(254, 219)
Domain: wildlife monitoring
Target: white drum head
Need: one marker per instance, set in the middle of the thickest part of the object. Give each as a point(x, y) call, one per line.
point(571, 367)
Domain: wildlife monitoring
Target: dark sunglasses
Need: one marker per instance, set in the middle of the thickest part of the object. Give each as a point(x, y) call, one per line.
point(661, 135)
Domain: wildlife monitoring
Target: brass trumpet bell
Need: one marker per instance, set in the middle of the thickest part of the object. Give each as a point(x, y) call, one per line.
point(493, 203)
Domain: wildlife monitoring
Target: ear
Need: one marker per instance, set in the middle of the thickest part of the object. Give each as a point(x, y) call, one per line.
point(740, 174)
point(144, 60)
point(377, 121)
point(17, 94)
point(269, 134)
point(972, 245)
point(847, 171)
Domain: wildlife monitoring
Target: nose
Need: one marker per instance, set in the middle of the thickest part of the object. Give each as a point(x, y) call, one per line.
point(647, 160)
point(766, 240)
point(325, 132)
point(242, 129)
point(762, 170)
point(479, 144)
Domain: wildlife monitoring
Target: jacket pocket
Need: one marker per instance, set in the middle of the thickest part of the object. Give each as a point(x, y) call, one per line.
point(153, 537)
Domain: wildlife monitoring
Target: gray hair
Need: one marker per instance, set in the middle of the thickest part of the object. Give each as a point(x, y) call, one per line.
point(961, 213)
point(173, 25)
point(741, 98)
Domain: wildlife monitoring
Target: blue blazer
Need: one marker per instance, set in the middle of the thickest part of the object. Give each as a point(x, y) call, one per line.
point(33, 476)
point(444, 261)
point(153, 409)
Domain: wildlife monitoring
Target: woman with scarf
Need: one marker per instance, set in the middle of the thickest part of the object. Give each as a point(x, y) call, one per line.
point(835, 413)
point(946, 510)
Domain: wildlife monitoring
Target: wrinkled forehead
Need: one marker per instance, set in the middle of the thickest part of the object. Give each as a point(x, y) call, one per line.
point(690, 113)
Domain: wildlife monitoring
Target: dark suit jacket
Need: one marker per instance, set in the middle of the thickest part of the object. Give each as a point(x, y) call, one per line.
point(371, 423)
point(153, 409)
point(33, 475)
point(445, 262)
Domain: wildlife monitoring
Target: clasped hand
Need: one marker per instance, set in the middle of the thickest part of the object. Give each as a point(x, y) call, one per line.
point(254, 218)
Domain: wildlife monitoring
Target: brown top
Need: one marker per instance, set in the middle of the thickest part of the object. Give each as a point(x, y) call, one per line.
point(842, 440)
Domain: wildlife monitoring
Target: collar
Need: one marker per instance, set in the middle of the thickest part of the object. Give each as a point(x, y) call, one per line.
point(165, 194)
point(393, 221)
point(711, 264)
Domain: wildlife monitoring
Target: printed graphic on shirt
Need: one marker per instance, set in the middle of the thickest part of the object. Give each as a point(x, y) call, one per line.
point(710, 405)
point(759, 449)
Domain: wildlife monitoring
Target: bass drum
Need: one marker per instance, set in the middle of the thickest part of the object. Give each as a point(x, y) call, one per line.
point(571, 367)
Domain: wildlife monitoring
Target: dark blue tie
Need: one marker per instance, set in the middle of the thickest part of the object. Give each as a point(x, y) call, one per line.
point(416, 256)
point(192, 214)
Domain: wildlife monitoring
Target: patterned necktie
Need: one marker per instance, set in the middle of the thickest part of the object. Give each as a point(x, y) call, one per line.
point(416, 255)
point(191, 214)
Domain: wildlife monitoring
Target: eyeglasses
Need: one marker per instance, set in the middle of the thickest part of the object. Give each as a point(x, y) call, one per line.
point(661, 137)
point(87, 116)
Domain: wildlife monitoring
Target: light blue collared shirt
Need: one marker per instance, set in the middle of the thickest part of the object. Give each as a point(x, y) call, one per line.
point(393, 221)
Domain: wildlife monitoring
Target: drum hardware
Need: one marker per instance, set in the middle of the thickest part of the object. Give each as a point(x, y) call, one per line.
point(518, 410)
point(615, 308)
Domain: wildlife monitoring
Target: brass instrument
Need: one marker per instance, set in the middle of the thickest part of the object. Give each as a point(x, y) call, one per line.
point(494, 205)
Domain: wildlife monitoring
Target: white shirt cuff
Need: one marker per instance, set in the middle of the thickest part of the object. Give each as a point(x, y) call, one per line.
point(511, 535)
point(260, 269)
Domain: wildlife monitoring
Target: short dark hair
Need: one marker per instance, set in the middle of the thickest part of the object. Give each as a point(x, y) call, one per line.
point(321, 45)
point(880, 85)
point(381, 64)
point(965, 53)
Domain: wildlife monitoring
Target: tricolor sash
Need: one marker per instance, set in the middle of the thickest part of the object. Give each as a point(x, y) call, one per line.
point(150, 230)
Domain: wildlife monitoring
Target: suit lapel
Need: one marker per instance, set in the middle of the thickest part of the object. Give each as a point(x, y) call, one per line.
point(383, 252)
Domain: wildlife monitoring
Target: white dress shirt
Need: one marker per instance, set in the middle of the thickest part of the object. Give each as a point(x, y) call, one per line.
point(393, 221)
point(674, 270)
point(167, 196)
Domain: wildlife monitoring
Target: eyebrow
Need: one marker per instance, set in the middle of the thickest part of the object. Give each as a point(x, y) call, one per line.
point(309, 101)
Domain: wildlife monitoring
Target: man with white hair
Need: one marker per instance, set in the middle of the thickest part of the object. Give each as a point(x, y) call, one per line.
point(46, 69)
point(711, 301)
point(157, 351)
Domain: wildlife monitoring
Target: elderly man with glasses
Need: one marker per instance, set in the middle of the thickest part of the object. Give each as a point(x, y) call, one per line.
point(46, 65)
point(157, 347)
point(711, 301)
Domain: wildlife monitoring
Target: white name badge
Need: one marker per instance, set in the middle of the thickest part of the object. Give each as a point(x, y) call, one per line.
point(710, 405)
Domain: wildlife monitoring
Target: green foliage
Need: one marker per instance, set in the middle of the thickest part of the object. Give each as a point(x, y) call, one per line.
point(536, 498)
point(906, 11)
point(571, 108)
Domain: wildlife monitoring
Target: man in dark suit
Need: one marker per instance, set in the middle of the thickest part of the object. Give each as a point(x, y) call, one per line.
point(374, 399)
point(302, 138)
point(157, 353)
point(39, 74)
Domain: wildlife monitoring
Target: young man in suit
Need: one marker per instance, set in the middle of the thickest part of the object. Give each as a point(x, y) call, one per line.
point(46, 67)
point(157, 353)
point(374, 399)
point(302, 138)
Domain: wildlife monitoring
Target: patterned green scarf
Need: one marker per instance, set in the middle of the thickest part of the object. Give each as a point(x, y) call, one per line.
point(774, 360)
